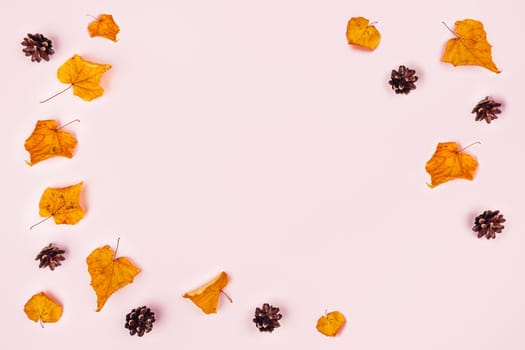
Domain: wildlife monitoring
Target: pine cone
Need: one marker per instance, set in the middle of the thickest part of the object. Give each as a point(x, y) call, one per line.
point(487, 109)
point(50, 256)
point(140, 321)
point(488, 224)
point(402, 80)
point(38, 47)
point(267, 318)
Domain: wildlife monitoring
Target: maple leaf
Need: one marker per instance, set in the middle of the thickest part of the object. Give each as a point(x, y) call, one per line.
point(361, 33)
point(331, 323)
point(63, 204)
point(48, 140)
point(470, 46)
point(206, 297)
point(42, 308)
point(109, 274)
point(104, 26)
point(450, 162)
point(83, 76)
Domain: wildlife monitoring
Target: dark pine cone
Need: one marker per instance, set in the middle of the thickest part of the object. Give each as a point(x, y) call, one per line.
point(140, 321)
point(38, 47)
point(487, 109)
point(488, 224)
point(50, 256)
point(267, 318)
point(403, 79)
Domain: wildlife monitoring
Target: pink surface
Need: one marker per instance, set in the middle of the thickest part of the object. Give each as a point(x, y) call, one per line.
point(248, 137)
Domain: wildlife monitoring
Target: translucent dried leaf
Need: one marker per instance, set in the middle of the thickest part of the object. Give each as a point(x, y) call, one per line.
point(109, 274)
point(470, 47)
point(450, 162)
point(207, 296)
point(63, 204)
point(84, 76)
point(42, 308)
point(48, 141)
point(361, 33)
point(105, 27)
point(331, 323)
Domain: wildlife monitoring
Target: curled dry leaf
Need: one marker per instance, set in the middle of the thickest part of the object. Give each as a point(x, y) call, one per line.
point(42, 308)
point(470, 46)
point(48, 140)
point(331, 323)
point(109, 274)
point(206, 297)
point(449, 162)
point(360, 32)
point(83, 76)
point(104, 26)
point(63, 204)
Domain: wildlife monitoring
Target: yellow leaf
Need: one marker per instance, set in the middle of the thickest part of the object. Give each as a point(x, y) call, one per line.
point(109, 274)
point(48, 140)
point(361, 33)
point(43, 308)
point(331, 323)
point(207, 296)
point(104, 26)
point(84, 77)
point(450, 162)
point(470, 47)
point(63, 204)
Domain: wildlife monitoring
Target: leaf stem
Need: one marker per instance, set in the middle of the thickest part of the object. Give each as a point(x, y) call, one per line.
point(472, 144)
point(227, 296)
point(453, 32)
point(58, 93)
point(66, 124)
point(41, 221)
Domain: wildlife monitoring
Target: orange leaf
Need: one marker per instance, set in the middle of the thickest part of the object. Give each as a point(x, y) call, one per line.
point(207, 296)
point(361, 33)
point(84, 76)
point(470, 47)
point(63, 204)
point(331, 323)
point(109, 274)
point(43, 308)
point(450, 162)
point(47, 141)
point(104, 26)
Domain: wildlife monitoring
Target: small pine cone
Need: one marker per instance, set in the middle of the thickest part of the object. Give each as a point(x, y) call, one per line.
point(38, 47)
point(140, 321)
point(267, 318)
point(487, 109)
point(488, 224)
point(403, 79)
point(50, 256)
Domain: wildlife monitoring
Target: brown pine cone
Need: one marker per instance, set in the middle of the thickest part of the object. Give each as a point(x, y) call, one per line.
point(487, 109)
point(488, 224)
point(267, 318)
point(38, 47)
point(403, 79)
point(50, 256)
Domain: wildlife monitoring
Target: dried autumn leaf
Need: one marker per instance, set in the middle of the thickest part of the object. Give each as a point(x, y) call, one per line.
point(104, 26)
point(207, 296)
point(450, 162)
point(470, 47)
point(43, 308)
point(331, 323)
point(63, 204)
point(109, 274)
point(48, 140)
point(360, 32)
point(83, 76)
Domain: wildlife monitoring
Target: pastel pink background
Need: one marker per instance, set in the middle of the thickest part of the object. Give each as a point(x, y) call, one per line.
point(247, 136)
